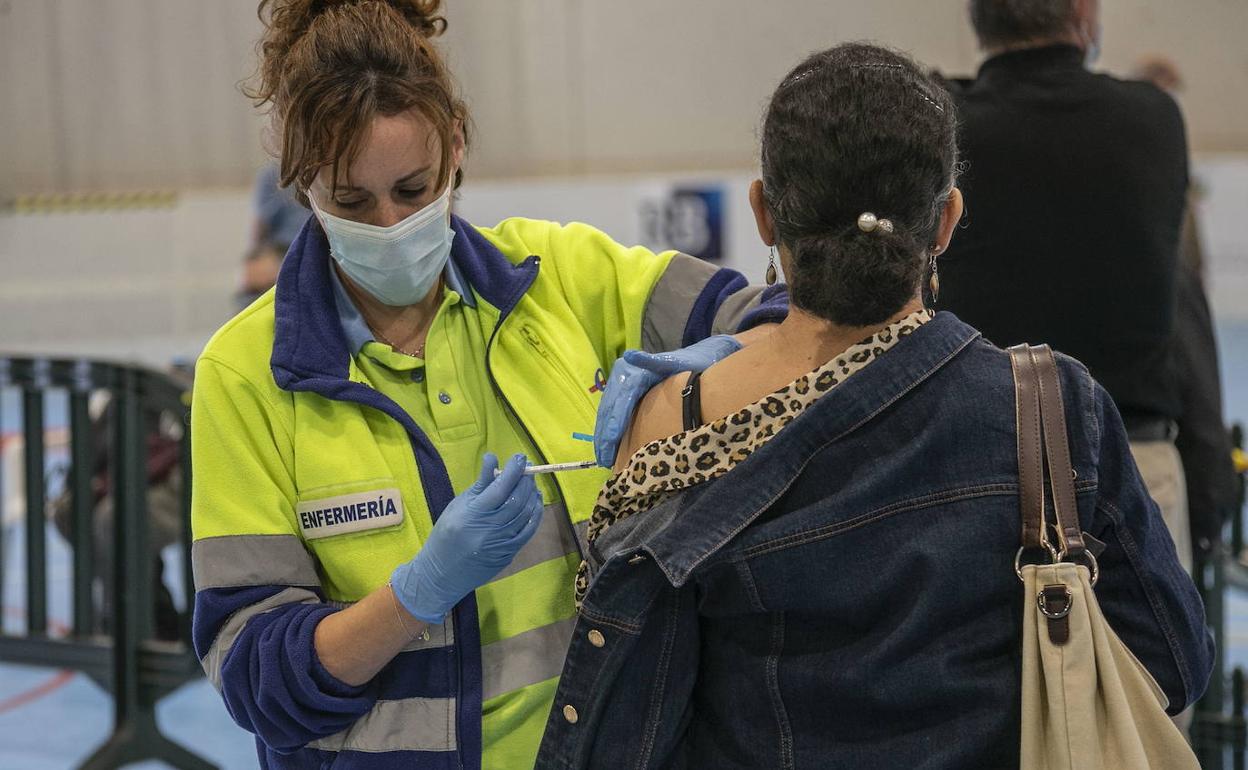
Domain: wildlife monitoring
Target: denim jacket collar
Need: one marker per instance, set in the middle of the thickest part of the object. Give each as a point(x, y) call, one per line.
point(732, 502)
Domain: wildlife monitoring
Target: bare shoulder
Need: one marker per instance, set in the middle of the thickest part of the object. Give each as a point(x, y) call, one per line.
point(657, 416)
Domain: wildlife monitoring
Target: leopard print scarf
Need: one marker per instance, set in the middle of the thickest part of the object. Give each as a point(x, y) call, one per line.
point(666, 466)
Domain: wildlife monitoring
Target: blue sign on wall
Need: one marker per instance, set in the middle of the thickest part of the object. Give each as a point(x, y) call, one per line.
point(688, 219)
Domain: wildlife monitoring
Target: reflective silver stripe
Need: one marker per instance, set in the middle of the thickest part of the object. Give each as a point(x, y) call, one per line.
point(411, 724)
point(439, 636)
point(234, 561)
point(525, 659)
point(552, 540)
point(734, 310)
point(673, 298)
point(232, 627)
point(582, 537)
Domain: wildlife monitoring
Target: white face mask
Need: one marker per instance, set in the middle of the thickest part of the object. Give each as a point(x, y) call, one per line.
point(398, 264)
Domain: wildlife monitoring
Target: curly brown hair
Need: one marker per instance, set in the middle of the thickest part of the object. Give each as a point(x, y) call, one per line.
point(329, 67)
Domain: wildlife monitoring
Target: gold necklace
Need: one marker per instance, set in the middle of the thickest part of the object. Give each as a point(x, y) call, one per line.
point(417, 353)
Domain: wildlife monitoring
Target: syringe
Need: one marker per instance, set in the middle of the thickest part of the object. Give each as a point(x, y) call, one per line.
point(533, 470)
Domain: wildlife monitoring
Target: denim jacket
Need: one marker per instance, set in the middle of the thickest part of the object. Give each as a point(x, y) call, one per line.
point(846, 597)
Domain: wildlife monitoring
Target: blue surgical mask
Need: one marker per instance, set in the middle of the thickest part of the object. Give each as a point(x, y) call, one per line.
point(398, 264)
point(1091, 46)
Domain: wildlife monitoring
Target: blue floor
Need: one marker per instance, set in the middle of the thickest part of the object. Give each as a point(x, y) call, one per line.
point(50, 720)
point(61, 728)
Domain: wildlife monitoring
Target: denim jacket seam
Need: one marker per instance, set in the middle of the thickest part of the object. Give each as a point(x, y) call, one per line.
point(747, 577)
point(1092, 418)
point(1159, 613)
point(579, 736)
point(772, 663)
point(654, 709)
point(747, 520)
point(570, 675)
point(621, 624)
point(618, 625)
point(904, 506)
point(777, 699)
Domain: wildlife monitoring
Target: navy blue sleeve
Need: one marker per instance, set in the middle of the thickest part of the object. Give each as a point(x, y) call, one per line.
point(727, 303)
point(773, 307)
point(268, 673)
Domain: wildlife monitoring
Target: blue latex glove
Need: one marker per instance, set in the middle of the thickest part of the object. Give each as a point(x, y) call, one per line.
point(475, 537)
point(635, 374)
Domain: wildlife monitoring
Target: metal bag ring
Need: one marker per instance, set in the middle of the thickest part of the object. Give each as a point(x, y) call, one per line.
point(1092, 567)
point(1063, 612)
point(1018, 558)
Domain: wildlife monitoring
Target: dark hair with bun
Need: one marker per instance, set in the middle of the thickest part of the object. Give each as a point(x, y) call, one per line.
point(854, 129)
point(329, 67)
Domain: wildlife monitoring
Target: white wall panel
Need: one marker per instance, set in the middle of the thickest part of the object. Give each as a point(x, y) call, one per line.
point(1222, 211)
point(149, 284)
point(1208, 41)
point(685, 83)
point(125, 95)
point(154, 284)
point(29, 68)
point(514, 64)
point(142, 94)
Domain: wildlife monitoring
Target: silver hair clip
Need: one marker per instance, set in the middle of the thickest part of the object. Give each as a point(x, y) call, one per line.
point(869, 223)
point(876, 66)
point(883, 66)
point(931, 101)
point(799, 77)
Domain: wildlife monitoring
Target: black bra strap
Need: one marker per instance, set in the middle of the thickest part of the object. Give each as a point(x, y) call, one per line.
point(691, 401)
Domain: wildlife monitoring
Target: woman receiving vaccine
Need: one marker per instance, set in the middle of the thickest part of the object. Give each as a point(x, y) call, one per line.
point(371, 592)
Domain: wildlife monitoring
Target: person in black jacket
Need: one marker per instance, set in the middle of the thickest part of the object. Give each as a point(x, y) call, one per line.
point(1075, 186)
point(1203, 441)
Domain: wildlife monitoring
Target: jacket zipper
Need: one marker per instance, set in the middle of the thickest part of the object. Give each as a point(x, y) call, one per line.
point(541, 456)
point(536, 342)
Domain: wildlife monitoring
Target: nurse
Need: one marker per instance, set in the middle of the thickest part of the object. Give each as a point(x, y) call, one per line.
point(370, 592)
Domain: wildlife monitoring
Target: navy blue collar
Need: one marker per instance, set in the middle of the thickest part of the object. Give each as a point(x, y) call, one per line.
point(730, 503)
point(309, 342)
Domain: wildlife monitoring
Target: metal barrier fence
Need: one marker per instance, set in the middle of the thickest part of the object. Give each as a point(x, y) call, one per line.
point(1219, 728)
point(127, 661)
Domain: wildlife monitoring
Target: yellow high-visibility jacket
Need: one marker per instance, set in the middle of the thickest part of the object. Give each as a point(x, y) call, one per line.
point(309, 486)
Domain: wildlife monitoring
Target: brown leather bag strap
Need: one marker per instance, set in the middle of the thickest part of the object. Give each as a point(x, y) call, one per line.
point(1057, 451)
point(1030, 451)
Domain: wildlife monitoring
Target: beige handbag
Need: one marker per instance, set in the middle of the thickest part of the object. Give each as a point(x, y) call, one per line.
point(1088, 704)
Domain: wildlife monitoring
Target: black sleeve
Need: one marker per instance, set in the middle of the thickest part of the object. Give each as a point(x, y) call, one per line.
point(1146, 595)
point(1203, 442)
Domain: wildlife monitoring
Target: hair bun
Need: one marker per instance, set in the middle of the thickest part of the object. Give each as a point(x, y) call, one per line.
point(294, 16)
point(286, 22)
point(422, 14)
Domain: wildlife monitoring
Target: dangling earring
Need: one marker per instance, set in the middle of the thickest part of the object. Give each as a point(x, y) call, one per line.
point(771, 268)
point(933, 281)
